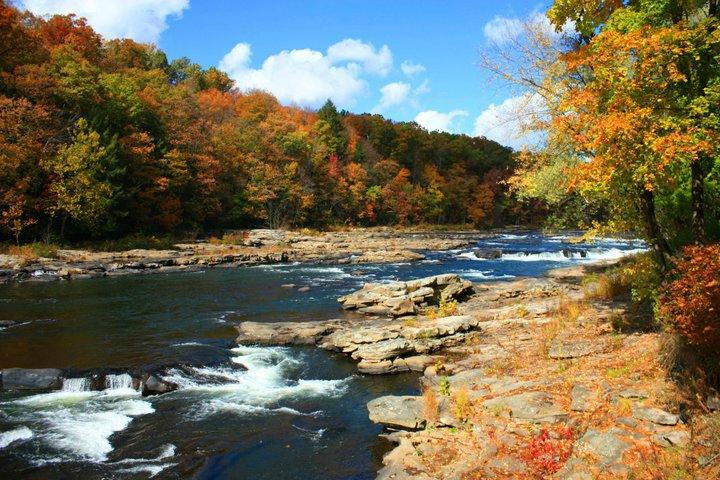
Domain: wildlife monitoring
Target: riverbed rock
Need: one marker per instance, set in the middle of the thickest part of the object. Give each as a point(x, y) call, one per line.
point(488, 253)
point(405, 298)
point(284, 333)
point(17, 379)
point(656, 415)
point(672, 438)
point(154, 385)
point(560, 349)
point(403, 412)
point(535, 407)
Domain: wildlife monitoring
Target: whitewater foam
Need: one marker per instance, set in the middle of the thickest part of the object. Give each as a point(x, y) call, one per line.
point(19, 434)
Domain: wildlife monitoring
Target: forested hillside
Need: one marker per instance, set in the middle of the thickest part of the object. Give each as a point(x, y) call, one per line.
point(102, 138)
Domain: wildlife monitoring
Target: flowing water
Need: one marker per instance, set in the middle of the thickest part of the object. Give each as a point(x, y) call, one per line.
point(242, 412)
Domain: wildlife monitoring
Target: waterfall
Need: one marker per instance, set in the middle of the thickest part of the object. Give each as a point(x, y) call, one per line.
point(76, 384)
point(118, 382)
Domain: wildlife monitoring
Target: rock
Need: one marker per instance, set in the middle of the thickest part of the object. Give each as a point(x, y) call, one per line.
point(284, 333)
point(402, 298)
point(536, 407)
point(488, 253)
point(153, 385)
point(418, 363)
point(632, 393)
point(607, 447)
point(303, 289)
point(376, 368)
point(582, 398)
point(384, 350)
point(573, 349)
point(403, 412)
point(673, 438)
point(15, 379)
point(655, 415)
point(288, 285)
point(713, 402)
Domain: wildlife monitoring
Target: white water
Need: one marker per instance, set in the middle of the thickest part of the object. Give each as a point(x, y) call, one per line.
point(592, 255)
point(21, 433)
point(75, 423)
point(259, 390)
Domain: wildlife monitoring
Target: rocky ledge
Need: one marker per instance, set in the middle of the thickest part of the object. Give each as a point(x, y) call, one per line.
point(548, 388)
point(380, 344)
point(238, 248)
point(406, 298)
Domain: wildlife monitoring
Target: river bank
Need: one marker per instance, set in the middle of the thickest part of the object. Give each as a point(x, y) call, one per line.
point(253, 247)
point(530, 378)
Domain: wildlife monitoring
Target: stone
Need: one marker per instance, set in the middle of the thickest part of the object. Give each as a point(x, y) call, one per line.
point(656, 415)
point(284, 333)
point(403, 308)
point(303, 289)
point(153, 385)
point(16, 379)
point(376, 368)
point(672, 438)
point(456, 290)
point(606, 446)
point(404, 412)
point(488, 253)
point(713, 402)
point(632, 393)
point(288, 285)
point(382, 350)
point(582, 398)
point(536, 407)
point(418, 363)
point(573, 349)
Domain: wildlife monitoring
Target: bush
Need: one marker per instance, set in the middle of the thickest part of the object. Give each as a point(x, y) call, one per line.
point(690, 303)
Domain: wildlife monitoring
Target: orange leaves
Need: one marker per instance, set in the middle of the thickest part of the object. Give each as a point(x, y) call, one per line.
point(691, 301)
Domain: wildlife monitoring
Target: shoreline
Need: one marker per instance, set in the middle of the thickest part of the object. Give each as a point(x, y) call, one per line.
point(259, 247)
point(533, 363)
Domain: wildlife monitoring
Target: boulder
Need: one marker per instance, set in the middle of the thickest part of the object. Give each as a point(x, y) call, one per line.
point(672, 438)
point(154, 385)
point(384, 350)
point(403, 412)
point(16, 379)
point(488, 253)
point(284, 333)
point(656, 415)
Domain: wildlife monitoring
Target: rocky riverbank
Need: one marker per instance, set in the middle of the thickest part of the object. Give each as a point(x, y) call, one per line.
point(246, 248)
point(528, 379)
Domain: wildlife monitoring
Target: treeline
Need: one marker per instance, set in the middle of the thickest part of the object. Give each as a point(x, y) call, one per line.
point(106, 137)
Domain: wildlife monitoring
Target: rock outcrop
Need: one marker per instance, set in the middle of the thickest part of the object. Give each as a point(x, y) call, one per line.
point(405, 298)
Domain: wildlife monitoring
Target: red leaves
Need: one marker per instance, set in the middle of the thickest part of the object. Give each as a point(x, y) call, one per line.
point(691, 301)
point(548, 452)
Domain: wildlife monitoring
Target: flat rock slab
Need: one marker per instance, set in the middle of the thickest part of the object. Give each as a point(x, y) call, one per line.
point(536, 407)
point(574, 349)
point(656, 415)
point(596, 450)
point(284, 333)
point(403, 412)
point(31, 379)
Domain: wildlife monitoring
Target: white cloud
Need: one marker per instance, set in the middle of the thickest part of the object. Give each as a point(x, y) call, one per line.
point(141, 20)
point(392, 94)
point(508, 122)
point(409, 68)
point(433, 120)
point(378, 62)
point(503, 30)
point(309, 77)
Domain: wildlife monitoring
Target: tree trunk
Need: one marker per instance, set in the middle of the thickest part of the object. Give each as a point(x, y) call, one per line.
point(660, 246)
point(698, 201)
point(62, 226)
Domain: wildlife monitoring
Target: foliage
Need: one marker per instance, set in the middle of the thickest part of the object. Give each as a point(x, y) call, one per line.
point(444, 386)
point(108, 139)
point(691, 301)
point(549, 450)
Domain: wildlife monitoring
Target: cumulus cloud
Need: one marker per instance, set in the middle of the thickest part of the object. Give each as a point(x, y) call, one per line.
point(508, 122)
point(409, 68)
point(433, 120)
point(374, 61)
point(141, 20)
point(308, 77)
point(393, 94)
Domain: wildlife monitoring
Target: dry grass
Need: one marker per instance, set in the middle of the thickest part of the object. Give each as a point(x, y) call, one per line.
point(605, 286)
point(463, 406)
point(430, 406)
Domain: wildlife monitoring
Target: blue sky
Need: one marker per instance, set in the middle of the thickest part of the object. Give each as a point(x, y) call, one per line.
point(406, 59)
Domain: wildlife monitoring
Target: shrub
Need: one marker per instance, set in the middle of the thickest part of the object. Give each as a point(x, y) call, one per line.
point(690, 303)
point(548, 452)
point(430, 406)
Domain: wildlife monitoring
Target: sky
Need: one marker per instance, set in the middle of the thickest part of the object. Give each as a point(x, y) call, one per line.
point(405, 59)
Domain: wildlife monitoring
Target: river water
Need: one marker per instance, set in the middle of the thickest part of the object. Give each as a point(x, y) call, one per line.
point(290, 413)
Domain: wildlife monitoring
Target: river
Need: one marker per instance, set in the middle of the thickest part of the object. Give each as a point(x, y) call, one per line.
point(245, 412)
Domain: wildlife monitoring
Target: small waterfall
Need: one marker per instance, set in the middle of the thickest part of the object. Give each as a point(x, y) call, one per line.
point(76, 384)
point(118, 382)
